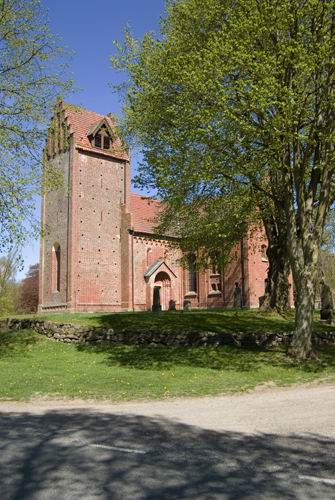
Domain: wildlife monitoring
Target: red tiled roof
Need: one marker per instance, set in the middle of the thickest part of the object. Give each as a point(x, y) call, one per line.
point(81, 122)
point(145, 212)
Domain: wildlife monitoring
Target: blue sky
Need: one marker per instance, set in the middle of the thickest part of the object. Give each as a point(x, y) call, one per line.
point(88, 28)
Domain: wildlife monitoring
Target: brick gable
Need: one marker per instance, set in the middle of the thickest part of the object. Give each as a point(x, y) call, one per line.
point(81, 122)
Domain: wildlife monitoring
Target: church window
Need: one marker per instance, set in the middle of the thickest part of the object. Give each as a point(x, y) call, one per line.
point(215, 269)
point(192, 274)
point(102, 139)
point(263, 252)
point(149, 257)
point(56, 267)
point(97, 141)
point(215, 274)
point(107, 142)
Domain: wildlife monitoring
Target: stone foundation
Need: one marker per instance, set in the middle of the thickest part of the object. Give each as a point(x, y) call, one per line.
point(78, 334)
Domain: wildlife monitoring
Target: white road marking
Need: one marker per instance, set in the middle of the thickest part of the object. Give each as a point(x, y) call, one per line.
point(115, 448)
point(107, 447)
point(318, 479)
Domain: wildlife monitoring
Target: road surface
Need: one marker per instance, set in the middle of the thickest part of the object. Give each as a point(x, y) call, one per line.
point(273, 443)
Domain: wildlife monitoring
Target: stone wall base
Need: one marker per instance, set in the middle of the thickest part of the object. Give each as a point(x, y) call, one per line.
point(78, 334)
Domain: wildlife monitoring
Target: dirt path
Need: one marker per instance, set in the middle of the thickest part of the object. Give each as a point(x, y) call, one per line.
point(301, 409)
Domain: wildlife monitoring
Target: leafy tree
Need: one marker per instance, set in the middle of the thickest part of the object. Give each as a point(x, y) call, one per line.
point(241, 93)
point(8, 286)
point(172, 108)
point(327, 253)
point(28, 290)
point(202, 226)
point(29, 84)
point(327, 267)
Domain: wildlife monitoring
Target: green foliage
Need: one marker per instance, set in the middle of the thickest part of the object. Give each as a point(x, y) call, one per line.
point(28, 291)
point(8, 287)
point(34, 366)
point(30, 80)
point(241, 93)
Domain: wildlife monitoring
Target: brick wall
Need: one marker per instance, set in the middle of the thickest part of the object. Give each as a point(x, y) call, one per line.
point(55, 207)
point(146, 251)
point(98, 225)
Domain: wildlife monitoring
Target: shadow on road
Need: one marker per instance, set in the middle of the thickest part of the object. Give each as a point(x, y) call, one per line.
point(85, 454)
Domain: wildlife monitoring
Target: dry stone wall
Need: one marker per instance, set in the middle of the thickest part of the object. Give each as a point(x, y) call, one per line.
point(78, 334)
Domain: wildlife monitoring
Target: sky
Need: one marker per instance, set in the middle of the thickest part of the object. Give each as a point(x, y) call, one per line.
point(87, 28)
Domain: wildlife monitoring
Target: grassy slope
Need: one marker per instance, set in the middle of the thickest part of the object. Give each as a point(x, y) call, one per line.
point(219, 320)
point(31, 364)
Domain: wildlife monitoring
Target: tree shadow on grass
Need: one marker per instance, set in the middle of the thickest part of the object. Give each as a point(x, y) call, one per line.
point(216, 320)
point(212, 320)
point(14, 343)
point(219, 358)
point(95, 454)
point(201, 321)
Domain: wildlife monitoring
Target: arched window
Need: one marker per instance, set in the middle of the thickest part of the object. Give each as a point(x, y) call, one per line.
point(149, 252)
point(192, 274)
point(264, 252)
point(215, 273)
point(56, 264)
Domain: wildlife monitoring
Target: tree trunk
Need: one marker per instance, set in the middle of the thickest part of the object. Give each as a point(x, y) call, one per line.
point(278, 274)
point(277, 289)
point(301, 347)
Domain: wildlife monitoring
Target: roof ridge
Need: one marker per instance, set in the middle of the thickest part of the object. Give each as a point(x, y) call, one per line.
point(142, 195)
point(78, 108)
point(145, 196)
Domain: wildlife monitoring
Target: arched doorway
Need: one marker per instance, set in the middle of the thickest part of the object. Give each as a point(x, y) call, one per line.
point(162, 286)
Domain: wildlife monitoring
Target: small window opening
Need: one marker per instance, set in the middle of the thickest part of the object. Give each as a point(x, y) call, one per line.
point(102, 139)
point(107, 142)
point(97, 141)
point(263, 252)
point(215, 272)
point(192, 274)
point(56, 267)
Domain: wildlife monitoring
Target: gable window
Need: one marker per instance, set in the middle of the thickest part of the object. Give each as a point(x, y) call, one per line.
point(107, 142)
point(97, 141)
point(102, 138)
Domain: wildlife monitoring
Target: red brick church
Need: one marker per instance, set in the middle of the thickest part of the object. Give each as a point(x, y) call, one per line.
point(99, 250)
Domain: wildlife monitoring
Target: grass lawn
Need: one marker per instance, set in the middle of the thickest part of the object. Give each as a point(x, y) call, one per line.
point(32, 365)
point(215, 320)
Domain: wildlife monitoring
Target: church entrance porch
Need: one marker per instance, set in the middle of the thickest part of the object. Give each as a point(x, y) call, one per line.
point(161, 292)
